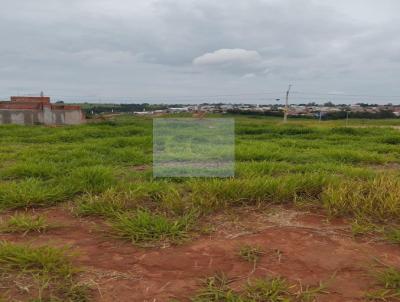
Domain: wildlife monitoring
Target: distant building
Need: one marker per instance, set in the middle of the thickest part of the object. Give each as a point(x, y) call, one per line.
point(178, 109)
point(38, 110)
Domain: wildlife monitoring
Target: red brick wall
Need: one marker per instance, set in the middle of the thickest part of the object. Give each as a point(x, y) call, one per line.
point(38, 103)
point(29, 99)
point(30, 106)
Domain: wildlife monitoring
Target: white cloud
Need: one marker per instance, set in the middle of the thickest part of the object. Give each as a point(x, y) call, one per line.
point(248, 76)
point(236, 57)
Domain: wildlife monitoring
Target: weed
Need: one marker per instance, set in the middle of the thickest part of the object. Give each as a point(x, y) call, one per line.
point(250, 253)
point(106, 204)
point(393, 235)
point(376, 199)
point(46, 271)
point(92, 179)
point(272, 290)
point(382, 295)
point(29, 170)
point(277, 289)
point(30, 192)
point(144, 227)
point(42, 260)
point(362, 227)
point(392, 140)
point(25, 223)
point(309, 293)
point(389, 279)
point(216, 288)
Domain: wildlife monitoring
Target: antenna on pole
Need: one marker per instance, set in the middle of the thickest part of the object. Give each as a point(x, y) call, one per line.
point(285, 114)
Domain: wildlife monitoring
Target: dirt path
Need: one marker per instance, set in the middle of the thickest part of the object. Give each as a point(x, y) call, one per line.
point(301, 247)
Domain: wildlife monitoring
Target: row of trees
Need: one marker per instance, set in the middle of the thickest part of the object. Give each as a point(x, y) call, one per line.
point(382, 114)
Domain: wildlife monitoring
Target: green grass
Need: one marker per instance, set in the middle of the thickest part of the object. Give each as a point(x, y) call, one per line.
point(40, 260)
point(218, 288)
point(251, 253)
point(94, 179)
point(348, 171)
point(376, 198)
point(142, 226)
point(47, 271)
point(393, 235)
point(31, 192)
point(25, 223)
point(389, 280)
point(362, 227)
point(106, 204)
point(273, 290)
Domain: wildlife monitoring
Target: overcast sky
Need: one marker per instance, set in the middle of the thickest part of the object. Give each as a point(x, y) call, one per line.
point(201, 50)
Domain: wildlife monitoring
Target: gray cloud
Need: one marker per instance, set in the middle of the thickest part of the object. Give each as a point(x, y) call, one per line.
point(167, 48)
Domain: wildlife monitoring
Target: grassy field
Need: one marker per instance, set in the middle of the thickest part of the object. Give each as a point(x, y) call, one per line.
point(105, 170)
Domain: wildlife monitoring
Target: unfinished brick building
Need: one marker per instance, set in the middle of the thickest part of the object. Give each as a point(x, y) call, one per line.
point(38, 110)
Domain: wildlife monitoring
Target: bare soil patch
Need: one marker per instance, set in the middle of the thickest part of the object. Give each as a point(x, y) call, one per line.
point(300, 246)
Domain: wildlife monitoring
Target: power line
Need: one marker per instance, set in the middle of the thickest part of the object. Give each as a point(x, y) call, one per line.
point(343, 94)
point(297, 95)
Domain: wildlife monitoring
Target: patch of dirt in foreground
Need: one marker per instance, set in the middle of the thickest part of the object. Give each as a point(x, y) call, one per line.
point(301, 247)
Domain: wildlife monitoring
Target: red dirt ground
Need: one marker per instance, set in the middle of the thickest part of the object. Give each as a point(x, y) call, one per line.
point(312, 249)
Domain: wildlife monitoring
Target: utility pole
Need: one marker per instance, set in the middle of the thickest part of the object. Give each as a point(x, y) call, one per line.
point(285, 114)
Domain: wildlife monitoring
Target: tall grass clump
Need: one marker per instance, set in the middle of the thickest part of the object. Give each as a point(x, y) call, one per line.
point(218, 193)
point(391, 139)
point(218, 289)
point(143, 227)
point(31, 192)
point(29, 170)
point(41, 260)
point(377, 198)
point(106, 204)
point(24, 223)
point(389, 280)
point(345, 131)
point(46, 271)
point(93, 179)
